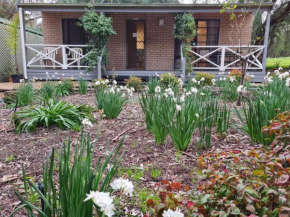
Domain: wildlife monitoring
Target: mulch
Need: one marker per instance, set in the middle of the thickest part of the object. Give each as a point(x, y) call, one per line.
point(30, 151)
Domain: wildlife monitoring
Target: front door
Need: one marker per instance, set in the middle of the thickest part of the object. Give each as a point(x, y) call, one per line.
point(135, 31)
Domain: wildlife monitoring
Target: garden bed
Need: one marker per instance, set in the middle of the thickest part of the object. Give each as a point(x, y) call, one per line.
point(140, 150)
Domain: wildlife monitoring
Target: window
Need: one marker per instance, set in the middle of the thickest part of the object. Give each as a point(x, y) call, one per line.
point(72, 33)
point(207, 32)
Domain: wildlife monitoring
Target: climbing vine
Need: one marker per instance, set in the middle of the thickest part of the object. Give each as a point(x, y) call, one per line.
point(185, 31)
point(100, 27)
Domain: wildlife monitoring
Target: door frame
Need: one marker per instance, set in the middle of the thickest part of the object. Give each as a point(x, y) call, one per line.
point(145, 43)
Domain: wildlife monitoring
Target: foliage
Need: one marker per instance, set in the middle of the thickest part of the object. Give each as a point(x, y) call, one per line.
point(222, 119)
point(24, 94)
point(60, 113)
point(83, 86)
point(110, 102)
point(155, 172)
point(184, 27)
point(63, 193)
point(64, 88)
point(7, 9)
point(205, 78)
point(134, 82)
point(47, 90)
point(156, 109)
point(168, 80)
point(99, 26)
point(280, 127)
point(152, 84)
point(166, 198)
point(12, 39)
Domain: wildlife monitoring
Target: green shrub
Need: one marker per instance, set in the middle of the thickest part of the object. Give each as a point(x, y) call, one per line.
point(9, 97)
point(168, 80)
point(25, 94)
point(64, 88)
point(111, 101)
point(134, 82)
point(83, 86)
point(205, 78)
point(68, 179)
point(62, 114)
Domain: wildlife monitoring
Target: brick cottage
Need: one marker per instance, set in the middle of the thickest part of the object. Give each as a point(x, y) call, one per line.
point(145, 43)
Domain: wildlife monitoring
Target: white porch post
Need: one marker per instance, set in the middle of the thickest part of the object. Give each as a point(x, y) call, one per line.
point(23, 41)
point(99, 67)
point(266, 40)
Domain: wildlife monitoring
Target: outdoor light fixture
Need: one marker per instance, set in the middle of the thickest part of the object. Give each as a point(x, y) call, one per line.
point(161, 22)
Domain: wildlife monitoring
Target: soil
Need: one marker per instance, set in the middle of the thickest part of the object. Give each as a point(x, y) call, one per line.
point(30, 151)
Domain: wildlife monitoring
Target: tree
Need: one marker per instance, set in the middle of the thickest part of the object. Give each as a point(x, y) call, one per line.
point(7, 9)
point(13, 31)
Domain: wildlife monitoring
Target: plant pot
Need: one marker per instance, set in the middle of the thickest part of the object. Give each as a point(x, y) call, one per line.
point(16, 78)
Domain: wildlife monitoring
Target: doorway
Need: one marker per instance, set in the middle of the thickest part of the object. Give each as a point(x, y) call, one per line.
point(135, 37)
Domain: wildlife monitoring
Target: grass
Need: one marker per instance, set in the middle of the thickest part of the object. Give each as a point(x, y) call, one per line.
point(283, 62)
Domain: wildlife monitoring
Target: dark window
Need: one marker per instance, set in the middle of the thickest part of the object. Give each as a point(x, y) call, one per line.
point(207, 34)
point(72, 33)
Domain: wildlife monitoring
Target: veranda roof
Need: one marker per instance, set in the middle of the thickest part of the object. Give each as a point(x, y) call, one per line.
point(149, 8)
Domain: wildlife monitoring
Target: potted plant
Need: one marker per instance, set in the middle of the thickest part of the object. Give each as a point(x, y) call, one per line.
point(13, 30)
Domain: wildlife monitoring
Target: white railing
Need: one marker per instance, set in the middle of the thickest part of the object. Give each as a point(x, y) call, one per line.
point(224, 58)
point(52, 56)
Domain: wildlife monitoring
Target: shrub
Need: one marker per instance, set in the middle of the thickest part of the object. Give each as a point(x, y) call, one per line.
point(68, 180)
point(280, 127)
point(9, 97)
point(205, 78)
point(64, 88)
point(62, 114)
point(111, 101)
point(168, 80)
point(238, 75)
point(83, 86)
point(134, 82)
point(25, 94)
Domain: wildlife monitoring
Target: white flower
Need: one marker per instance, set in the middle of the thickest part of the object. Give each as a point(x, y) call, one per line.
point(276, 72)
point(268, 73)
point(221, 73)
point(188, 93)
point(178, 108)
point(157, 89)
point(169, 91)
point(112, 90)
point(194, 90)
point(97, 83)
point(232, 78)
point(59, 82)
point(280, 68)
point(21, 80)
point(132, 89)
point(123, 184)
point(180, 84)
point(171, 213)
point(165, 95)
point(198, 83)
point(194, 80)
point(86, 122)
point(197, 115)
point(213, 81)
point(240, 88)
point(288, 82)
point(182, 98)
point(269, 79)
point(114, 82)
point(81, 73)
point(102, 200)
point(156, 73)
point(103, 82)
point(107, 81)
point(202, 79)
point(202, 94)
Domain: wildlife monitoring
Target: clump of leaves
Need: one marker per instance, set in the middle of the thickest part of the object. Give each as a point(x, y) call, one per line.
point(166, 197)
point(60, 113)
point(134, 82)
point(83, 86)
point(152, 83)
point(64, 88)
point(280, 127)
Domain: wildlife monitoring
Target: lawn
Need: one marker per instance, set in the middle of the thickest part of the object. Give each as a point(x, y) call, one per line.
point(187, 148)
point(274, 63)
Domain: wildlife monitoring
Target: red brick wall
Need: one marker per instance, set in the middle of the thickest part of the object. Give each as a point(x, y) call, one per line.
point(159, 40)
